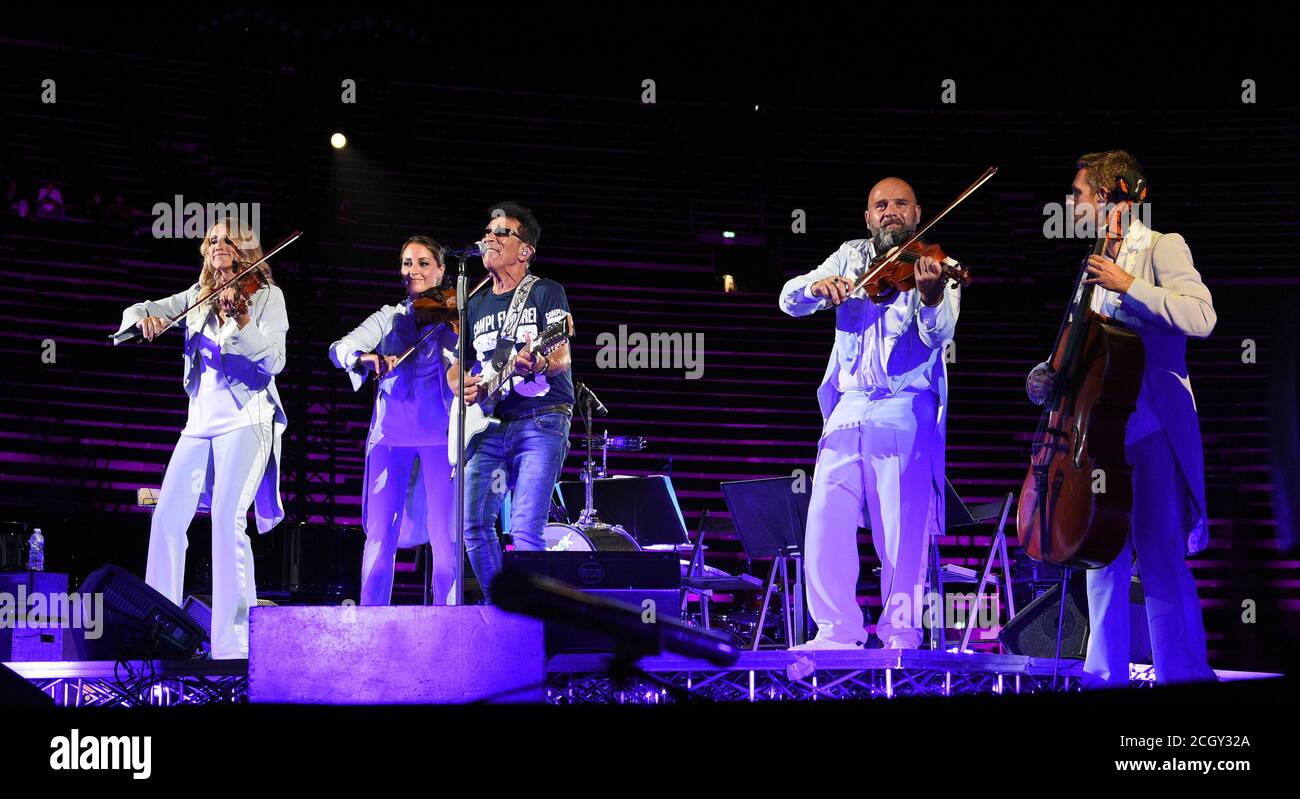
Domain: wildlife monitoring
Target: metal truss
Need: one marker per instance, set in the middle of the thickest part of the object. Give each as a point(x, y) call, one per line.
point(798, 677)
point(138, 683)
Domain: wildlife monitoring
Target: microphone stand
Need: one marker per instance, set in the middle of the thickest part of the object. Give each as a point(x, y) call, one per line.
point(588, 516)
point(588, 402)
point(462, 282)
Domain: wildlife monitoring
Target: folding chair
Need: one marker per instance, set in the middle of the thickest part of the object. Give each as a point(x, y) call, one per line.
point(959, 517)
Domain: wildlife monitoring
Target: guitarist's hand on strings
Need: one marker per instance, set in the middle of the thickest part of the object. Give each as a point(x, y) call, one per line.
point(471, 388)
point(526, 364)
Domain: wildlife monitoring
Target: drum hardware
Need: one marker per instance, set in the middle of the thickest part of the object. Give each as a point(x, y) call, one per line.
point(740, 625)
point(557, 513)
point(590, 534)
point(606, 442)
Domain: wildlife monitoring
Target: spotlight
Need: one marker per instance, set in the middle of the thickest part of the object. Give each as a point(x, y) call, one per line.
point(728, 234)
point(339, 141)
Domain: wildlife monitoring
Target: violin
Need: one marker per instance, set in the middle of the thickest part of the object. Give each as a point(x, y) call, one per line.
point(895, 270)
point(248, 282)
point(437, 306)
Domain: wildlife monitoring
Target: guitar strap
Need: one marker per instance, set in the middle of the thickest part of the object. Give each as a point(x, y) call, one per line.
point(506, 338)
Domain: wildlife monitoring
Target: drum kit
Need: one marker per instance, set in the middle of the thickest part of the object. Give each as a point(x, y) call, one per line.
point(590, 534)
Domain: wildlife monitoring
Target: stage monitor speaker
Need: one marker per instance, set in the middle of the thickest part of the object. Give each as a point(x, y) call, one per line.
point(199, 608)
point(17, 692)
point(605, 570)
point(564, 638)
point(138, 623)
point(42, 636)
point(1033, 630)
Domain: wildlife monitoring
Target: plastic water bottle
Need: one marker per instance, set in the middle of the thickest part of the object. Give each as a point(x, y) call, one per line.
point(36, 551)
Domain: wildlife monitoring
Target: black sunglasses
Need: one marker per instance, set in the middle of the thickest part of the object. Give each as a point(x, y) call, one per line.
point(503, 233)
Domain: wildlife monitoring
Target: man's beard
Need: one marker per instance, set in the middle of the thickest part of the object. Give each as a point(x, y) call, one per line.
point(886, 238)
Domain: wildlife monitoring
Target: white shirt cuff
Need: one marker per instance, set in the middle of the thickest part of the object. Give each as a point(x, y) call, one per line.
point(930, 314)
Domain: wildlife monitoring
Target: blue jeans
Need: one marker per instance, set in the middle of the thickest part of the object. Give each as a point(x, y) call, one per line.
point(522, 456)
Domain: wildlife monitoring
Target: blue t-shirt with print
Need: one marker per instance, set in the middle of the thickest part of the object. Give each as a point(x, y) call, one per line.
point(486, 314)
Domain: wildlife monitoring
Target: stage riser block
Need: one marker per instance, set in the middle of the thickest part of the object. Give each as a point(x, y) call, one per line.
point(344, 655)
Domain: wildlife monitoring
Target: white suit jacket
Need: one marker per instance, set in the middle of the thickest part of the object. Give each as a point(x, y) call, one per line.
point(379, 333)
point(1166, 304)
point(917, 350)
point(250, 360)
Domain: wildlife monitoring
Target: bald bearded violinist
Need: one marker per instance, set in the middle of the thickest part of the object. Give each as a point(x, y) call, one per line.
point(884, 406)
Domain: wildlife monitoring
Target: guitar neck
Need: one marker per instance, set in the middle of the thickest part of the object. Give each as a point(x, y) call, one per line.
point(498, 381)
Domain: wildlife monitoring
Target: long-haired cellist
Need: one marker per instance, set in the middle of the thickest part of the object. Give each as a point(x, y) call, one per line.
point(1147, 283)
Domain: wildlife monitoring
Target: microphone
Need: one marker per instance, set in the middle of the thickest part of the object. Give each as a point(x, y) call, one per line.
point(597, 406)
point(472, 251)
point(518, 591)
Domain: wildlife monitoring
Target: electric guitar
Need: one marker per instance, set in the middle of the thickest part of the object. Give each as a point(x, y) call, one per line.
point(478, 416)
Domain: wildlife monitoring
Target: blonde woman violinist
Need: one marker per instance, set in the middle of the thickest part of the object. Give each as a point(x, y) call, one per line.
point(228, 454)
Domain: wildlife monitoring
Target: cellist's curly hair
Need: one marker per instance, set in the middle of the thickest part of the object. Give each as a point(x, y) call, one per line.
point(1105, 167)
point(250, 251)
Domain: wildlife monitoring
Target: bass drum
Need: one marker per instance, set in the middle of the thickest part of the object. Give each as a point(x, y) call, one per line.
point(595, 538)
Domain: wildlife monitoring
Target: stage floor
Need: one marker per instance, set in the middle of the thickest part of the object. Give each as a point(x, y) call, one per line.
point(586, 679)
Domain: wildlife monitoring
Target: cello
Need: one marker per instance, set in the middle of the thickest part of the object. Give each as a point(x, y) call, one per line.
point(1098, 367)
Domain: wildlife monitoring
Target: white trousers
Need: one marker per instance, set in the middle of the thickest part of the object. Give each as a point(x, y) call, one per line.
point(233, 464)
point(1158, 534)
point(873, 453)
point(389, 471)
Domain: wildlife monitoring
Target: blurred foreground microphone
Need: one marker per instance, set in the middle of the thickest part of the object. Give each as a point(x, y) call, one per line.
point(552, 600)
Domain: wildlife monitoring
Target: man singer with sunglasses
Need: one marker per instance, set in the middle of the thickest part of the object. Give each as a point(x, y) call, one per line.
point(524, 452)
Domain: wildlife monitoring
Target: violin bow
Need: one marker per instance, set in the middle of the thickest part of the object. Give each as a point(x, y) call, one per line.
point(128, 336)
point(900, 249)
point(425, 336)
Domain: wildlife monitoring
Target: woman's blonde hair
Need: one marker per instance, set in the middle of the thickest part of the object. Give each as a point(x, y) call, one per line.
point(249, 252)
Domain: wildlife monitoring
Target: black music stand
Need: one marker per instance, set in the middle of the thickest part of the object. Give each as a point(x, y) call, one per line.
point(770, 515)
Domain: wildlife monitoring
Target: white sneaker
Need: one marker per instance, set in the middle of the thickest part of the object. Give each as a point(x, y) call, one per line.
point(903, 642)
point(825, 644)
